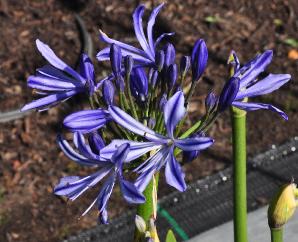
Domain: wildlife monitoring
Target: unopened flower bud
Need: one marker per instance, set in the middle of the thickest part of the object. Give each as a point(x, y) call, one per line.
point(210, 102)
point(282, 206)
point(159, 60)
point(153, 75)
point(162, 101)
point(199, 58)
point(184, 65)
point(115, 57)
point(128, 64)
point(139, 84)
point(140, 224)
point(172, 75)
point(170, 55)
point(108, 92)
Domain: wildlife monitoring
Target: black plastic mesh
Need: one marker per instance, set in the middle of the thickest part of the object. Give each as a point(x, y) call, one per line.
point(208, 202)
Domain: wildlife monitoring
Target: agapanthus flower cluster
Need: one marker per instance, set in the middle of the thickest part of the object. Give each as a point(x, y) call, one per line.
point(137, 111)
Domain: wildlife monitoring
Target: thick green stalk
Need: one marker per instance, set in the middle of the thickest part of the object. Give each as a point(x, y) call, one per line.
point(146, 210)
point(276, 235)
point(239, 184)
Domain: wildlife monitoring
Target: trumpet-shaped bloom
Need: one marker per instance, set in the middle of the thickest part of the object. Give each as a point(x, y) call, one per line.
point(245, 84)
point(58, 81)
point(146, 55)
point(74, 186)
point(163, 146)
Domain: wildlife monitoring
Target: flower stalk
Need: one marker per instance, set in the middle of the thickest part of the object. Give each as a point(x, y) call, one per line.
point(239, 184)
point(148, 209)
point(276, 234)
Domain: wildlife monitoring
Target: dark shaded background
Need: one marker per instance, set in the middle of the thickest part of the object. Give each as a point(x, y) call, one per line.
point(31, 162)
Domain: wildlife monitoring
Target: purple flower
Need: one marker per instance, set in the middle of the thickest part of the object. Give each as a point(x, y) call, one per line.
point(163, 146)
point(199, 58)
point(87, 121)
point(74, 186)
point(139, 84)
point(245, 84)
point(144, 56)
point(58, 81)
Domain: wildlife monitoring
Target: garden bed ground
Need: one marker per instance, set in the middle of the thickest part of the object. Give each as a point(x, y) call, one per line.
point(31, 163)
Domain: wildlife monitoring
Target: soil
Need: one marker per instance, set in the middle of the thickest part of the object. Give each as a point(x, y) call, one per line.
point(31, 163)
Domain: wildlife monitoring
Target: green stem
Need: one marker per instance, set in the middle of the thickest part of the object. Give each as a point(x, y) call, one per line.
point(239, 184)
point(130, 99)
point(146, 210)
point(276, 234)
point(191, 130)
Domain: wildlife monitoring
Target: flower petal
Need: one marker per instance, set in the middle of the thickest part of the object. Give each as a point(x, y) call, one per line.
point(193, 144)
point(174, 174)
point(52, 72)
point(138, 27)
point(267, 85)
point(254, 67)
point(52, 99)
point(122, 45)
point(150, 25)
point(160, 38)
point(105, 193)
point(104, 55)
point(144, 179)
point(128, 122)
point(74, 186)
point(137, 149)
point(50, 84)
point(87, 120)
point(255, 106)
point(174, 111)
point(51, 57)
point(73, 155)
point(131, 193)
point(83, 147)
point(120, 155)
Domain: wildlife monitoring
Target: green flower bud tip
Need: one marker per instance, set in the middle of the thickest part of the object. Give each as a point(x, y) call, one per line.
point(282, 206)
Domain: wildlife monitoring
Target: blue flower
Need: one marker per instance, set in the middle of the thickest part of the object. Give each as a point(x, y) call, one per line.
point(163, 146)
point(144, 56)
point(74, 186)
point(58, 81)
point(246, 84)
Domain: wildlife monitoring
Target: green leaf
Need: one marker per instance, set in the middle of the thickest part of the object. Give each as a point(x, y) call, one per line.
point(170, 236)
point(292, 42)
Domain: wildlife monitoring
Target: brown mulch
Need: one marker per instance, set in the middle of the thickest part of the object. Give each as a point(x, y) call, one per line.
point(31, 163)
